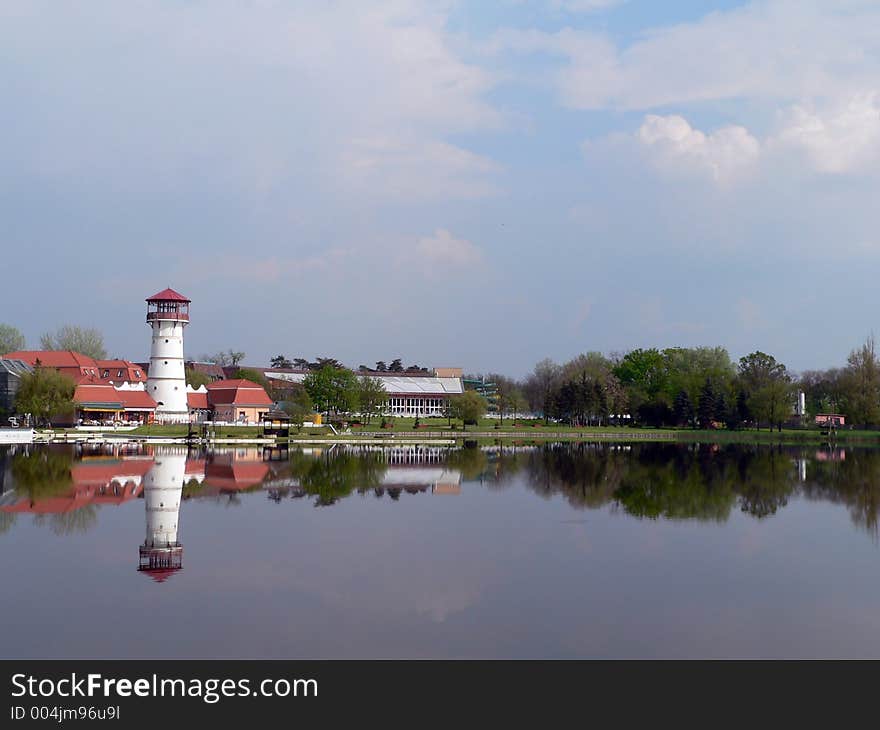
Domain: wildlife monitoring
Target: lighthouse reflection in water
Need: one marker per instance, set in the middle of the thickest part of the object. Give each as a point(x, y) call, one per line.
point(161, 555)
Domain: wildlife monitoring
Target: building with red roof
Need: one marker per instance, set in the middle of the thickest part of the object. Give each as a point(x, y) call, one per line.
point(121, 371)
point(103, 402)
point(240, 401)
point(68, 362)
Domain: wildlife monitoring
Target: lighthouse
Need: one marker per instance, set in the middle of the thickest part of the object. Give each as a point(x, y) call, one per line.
point(161, 555)
point(168, 315)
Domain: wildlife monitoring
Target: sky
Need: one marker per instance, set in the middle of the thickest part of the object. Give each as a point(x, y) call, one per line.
point(467, 183)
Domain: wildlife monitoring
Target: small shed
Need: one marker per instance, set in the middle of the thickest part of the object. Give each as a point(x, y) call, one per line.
point(276, 423)
point(830, 419)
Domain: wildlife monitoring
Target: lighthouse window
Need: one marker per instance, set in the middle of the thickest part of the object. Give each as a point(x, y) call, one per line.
point(166, 362)
point(166, 342)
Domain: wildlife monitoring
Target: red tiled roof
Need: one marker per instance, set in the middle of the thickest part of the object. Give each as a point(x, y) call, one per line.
point(160, 575)
point(237, 392)
point(168, 295)
point(98, 394)
point(131, 372)
point(238, 475)
point(138, 400)
point(54, 358)
point(197, 400)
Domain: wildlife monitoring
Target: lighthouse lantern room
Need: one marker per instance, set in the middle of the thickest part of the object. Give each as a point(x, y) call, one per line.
point(167, 315)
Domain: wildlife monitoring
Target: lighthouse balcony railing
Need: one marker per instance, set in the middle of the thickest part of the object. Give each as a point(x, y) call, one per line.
point(174, 316)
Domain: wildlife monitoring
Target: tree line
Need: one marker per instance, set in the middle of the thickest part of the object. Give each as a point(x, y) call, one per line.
point(700, 387)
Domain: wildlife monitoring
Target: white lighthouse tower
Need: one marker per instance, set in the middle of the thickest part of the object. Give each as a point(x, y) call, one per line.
point(168, 314)
point(161, 555)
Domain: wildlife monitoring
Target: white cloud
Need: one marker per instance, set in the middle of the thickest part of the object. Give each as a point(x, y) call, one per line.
point(253, 96)
point(767, 50)
point(446, 251)
point(722, 154)
point(838, 139)
point(415, 169)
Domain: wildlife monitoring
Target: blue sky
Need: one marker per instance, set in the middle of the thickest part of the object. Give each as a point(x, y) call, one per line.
point(482, 184)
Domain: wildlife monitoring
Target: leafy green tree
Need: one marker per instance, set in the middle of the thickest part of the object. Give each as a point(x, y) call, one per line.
point(372, 397)
point(332, 389)
point(691, 367)
point(396, 366)
point(11, 339)
point(85, 340)
point(279, 361)
point(469, 406)
point(768, 388)
point(381, 366)
point(298, 406)
point(196, 379)
point(255, 376)
point(46, 394)
point(861, 385)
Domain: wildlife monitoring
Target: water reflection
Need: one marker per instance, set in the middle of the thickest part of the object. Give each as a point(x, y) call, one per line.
point(161, 555)
point(63, 487)
point(551, 550)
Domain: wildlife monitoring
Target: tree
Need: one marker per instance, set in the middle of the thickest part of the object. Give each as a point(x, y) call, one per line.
point(372, 397)
point(861, 385)
point(255, 376)
point(469, 406)
point(683, 409)
point(298, 406)
point(279, 361)
point(228, 357)
point(706, 406)
point(85, 340)
point(540, 386)
point(518, 403)
point(396, 366)
point(45, 394)
point(196, 378)
point(332, 389)
point(767, 386)
point(11, 339)
point(504, 392)
point(381, 366)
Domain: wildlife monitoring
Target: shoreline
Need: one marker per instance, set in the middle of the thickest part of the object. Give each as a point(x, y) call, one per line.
point(451, 438)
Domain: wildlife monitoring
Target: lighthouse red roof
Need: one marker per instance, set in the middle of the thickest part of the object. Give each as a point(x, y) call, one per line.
point(168, 295)
point(160, 575)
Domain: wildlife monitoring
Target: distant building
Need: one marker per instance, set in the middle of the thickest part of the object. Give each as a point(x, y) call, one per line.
point(67, 362)
point(10, 378)
point(830, 419)
point(239, 401)
point(81, 368)
point(409, 393)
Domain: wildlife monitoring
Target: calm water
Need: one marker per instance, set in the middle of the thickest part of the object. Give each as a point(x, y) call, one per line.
point(588, 550)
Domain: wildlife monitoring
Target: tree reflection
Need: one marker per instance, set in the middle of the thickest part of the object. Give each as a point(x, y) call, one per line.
point(41, 473)
point(333, 476)
point(850, 477)
point(70, 523)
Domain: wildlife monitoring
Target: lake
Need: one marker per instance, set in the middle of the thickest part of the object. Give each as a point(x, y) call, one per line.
point(550, 551)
